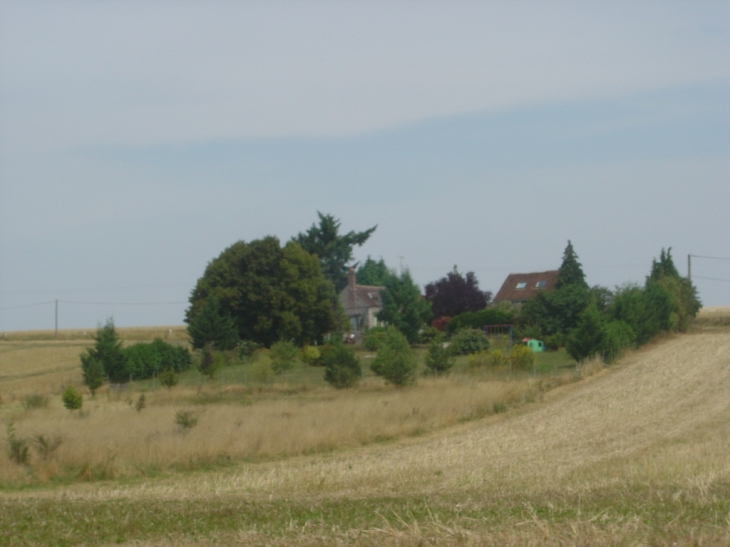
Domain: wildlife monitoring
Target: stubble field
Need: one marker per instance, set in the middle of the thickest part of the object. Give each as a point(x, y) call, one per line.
point(634, 455)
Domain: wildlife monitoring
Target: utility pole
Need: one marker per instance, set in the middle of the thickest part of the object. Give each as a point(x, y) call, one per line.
point(689, 268)
point(55, 333)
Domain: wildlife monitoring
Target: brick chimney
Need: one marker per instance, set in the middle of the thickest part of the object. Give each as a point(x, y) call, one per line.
point(351, 278)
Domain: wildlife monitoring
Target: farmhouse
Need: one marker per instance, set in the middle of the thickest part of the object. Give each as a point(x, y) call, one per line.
point(519, 287)
point(360, 303)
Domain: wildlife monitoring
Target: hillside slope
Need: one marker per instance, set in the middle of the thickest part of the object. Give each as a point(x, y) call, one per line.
point(637, 454)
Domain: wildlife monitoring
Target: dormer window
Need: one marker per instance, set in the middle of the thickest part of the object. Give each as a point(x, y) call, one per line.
point(541, 284)
point(521, 285)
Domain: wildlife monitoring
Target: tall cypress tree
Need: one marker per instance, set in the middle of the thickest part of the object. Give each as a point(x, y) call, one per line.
point(571, 271)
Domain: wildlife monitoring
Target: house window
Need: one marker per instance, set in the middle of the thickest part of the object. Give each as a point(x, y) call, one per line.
point(541, 284)
point(521, 285)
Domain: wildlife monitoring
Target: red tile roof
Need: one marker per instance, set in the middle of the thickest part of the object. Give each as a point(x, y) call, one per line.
point(533, 282)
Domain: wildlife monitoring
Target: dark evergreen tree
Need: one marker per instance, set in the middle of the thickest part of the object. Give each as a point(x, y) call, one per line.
point(93, 372)
point(333, 250)
point(212, 325)
point(372, 272)
point(108, 351)
point(403, 306)
point(455, 294)
point(587, 338)
point(571, 271)
point(342, 368)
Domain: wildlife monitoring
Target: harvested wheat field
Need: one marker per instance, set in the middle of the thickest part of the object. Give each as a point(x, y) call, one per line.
point(637, 454)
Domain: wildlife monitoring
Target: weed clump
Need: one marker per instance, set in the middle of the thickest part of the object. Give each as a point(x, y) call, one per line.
point(19, 451)
point(186, 419)
point(36, 400)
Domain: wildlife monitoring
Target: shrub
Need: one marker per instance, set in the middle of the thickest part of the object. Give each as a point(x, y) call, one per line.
point(186, 419)
point(93, 372)
point(521, 357)
point(496, 358)
point(210, 361)
point(261, 370)
point(617, 336)
point(35, 400)
point(467, 341)
point(342, 368)
point(441, 323)
point(168, 378)
point(71, 398)
point(46, 446)
point(438, 357)
point(374, 338)
point(145, 360)
point(310, 355)
point(18, 447)
point(555, 341)
point(141, 403)
point(247, 349)
point(395, 361)
point(283, 354)
point(428, 334)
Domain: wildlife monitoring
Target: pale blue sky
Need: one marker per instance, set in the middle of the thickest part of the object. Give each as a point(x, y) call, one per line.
point(139, 139)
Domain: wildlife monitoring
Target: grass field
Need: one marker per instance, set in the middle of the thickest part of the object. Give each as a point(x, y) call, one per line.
point(636, 454)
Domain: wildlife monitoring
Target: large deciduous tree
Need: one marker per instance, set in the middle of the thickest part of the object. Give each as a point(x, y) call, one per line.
point(333, 250)
point(270, 293)
point(455, 294)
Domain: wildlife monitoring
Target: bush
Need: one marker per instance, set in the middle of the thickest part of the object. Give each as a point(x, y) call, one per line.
point(428, 334)
point(441, 323)
point(35, 400)
point(496, 358)
point(168, 378)
point(141, 403)
point(555, 341)
point(467, 341)
point(310, 355)
point(46, 446)
point(186, 419)
point(211, 361)
point(283, 354)
point(247, 350)
point(342, 368)
point(521, 357)
point(18, 447)
point(395, 361)
point(374, 338)
point(146, 360)
point(71, 398)
point(93, 372)
point(261, 370)
point(617, 336)
point(438, 357)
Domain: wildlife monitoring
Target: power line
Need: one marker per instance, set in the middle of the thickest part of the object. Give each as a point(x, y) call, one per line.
point(710, 257)
point(27, 305)
point(711, 278)
point(121, 303)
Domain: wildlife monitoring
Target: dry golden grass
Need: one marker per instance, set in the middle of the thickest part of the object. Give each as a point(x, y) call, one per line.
point(110, 437)
point(634, 455)
point(125, 333)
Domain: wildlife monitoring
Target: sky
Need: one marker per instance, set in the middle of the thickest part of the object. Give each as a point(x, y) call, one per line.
point(138, 140)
